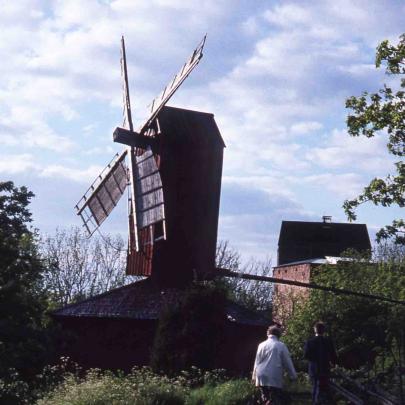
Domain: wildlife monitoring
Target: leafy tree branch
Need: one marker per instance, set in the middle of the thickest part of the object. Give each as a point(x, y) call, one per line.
point(383, 111)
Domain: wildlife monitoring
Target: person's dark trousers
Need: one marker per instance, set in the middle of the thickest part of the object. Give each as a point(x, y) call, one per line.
point(271, 396)
point(320, 389)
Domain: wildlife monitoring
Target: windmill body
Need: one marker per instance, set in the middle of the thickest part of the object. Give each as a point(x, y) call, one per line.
point(189, 150)
point(173, 167)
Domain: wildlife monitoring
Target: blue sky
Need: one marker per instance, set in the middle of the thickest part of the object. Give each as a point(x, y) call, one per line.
point(275, 74)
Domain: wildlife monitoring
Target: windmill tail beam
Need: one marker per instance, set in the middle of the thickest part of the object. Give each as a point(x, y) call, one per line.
point(134, 139)
point(228, 273)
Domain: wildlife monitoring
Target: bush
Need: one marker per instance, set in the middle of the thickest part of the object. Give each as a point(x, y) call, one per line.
point(140, 387)
point(191, 333)
point(144, 387)
point(13, 390)
point(234, 392)
point(361, 328)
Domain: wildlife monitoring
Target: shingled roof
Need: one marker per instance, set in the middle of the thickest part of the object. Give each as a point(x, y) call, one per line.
point(141, 300)
point(301, 240)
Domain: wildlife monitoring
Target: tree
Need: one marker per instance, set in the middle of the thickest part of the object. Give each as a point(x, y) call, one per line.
point(376, 112)
point(252, 294)
point(79, 267)
point(191, 332)
point(368, 333)
point(22, 297)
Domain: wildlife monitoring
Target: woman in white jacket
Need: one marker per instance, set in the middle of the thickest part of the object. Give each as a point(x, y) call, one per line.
point(272, 359)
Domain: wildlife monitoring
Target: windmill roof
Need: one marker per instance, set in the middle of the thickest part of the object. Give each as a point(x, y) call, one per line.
point(190, 123)
point(141, 300)
point(301, 240)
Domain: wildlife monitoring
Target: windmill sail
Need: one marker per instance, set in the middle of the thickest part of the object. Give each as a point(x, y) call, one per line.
point(146, 206)
point(159, 102)
point(146, 202)
point(104, 194)
point(149, 191)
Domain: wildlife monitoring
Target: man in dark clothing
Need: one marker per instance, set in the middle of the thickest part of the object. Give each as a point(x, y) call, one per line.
point(321, 355)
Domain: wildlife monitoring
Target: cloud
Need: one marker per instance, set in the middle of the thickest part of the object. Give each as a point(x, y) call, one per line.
point(13, 164)
point(26, 163)
point(65, 53)
point(31, 133)
point(79, 175)
point(276, 75)
point(100, 150)
point(305, 127)
point(289, 15)
point(341, 151)
point(342, 186)
point(250, 217)
point(358, 69)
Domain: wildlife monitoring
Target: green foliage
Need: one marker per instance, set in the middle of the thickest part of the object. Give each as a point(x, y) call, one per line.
point(234, 392)
point(66, 384)
point(362, 329)
point(190, 333)
point(23, 344)
point(13, 390)
point(383, 111)
point(140, 387)
point(143, 387)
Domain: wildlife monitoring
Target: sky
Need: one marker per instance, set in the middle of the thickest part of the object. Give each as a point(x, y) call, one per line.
point(274, 73)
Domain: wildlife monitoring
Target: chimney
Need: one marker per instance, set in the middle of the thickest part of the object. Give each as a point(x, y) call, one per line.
point(327, 219)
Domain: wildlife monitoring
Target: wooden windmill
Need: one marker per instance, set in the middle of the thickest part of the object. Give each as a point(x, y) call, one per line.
point(173, 167)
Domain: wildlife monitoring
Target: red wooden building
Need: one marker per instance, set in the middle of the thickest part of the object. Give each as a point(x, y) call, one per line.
point(116, 330)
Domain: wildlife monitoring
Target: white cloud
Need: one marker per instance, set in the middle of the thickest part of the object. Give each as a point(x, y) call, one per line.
point(13, 164)
point(341, 151)
point(79, 175)
point(26, 163)
point(358, 69)
point(251, 26)
point(21, 128)
point(289, 15)
point(100, 150)
point(273, 185)
point(63, 53)
point(88, 129)
point(305, 127)
point(343, 186)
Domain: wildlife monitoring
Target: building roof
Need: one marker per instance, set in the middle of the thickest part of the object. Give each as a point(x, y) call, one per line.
point(190, 126)
point(318, 261)
point(301, 240)
point(141, 300)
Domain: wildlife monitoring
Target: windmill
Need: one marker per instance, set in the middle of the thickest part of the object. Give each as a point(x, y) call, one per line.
point(172, 166)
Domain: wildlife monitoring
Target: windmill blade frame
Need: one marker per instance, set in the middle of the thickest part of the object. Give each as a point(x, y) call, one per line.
point(103, 194)
point(159, 102)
